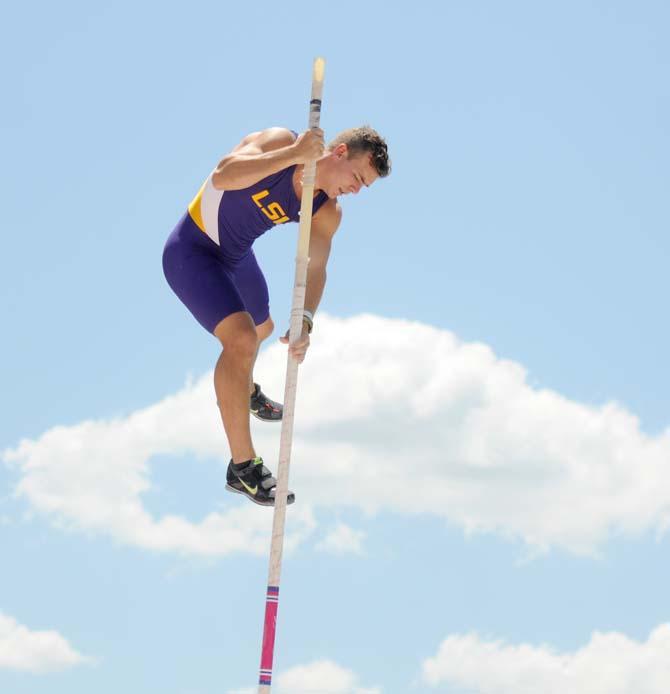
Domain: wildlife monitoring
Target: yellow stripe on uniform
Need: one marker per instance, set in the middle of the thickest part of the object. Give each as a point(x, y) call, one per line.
point(194, 209)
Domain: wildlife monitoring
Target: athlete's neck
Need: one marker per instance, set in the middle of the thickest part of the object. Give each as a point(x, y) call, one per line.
point(297, 181)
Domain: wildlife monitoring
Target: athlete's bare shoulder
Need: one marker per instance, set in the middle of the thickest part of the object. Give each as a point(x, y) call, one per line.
point(257, 155)
point(264, 141)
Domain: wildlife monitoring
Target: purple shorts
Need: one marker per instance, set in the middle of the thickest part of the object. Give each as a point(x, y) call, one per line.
point(210, 286)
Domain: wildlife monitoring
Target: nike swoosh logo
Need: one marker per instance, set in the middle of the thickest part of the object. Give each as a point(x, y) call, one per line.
point(251, 490)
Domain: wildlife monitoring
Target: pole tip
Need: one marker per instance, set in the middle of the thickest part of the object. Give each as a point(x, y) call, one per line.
point(319, 67)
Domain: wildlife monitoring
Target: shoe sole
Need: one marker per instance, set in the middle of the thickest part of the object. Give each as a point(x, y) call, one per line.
point(251, 498)
point(263, 419)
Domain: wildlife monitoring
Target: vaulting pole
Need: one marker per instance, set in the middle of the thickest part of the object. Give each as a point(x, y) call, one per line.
point(281, 490)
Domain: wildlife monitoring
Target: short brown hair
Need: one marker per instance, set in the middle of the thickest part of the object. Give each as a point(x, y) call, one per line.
point(365, 139)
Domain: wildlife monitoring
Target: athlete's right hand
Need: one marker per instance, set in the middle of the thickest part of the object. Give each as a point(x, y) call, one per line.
point(309, 146)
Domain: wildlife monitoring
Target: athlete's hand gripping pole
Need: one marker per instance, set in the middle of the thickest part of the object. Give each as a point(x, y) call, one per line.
point(281, 490)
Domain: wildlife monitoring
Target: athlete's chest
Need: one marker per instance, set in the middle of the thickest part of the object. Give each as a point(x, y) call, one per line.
point(270, 202)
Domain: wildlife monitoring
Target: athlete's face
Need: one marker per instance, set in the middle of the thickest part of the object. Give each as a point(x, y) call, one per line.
point(348, 175)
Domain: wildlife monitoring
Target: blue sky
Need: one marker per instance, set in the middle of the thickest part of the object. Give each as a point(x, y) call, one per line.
point(482, 429)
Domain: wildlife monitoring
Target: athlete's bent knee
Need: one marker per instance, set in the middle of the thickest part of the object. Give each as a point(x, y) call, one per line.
point(265, 329)
point(242, 345)
point(237, 335)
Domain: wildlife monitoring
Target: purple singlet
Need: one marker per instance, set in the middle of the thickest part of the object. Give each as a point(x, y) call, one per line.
point(208, 260)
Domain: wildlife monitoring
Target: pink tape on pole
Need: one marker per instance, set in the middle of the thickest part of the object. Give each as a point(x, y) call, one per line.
point(269, 628)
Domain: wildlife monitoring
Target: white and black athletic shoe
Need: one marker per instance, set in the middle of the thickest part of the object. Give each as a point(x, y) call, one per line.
point(255, 481)
point(263, 408)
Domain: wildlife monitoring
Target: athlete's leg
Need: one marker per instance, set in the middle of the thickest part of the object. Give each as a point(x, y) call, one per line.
point(253, 288)
point(231, 381)
point(205, 283)
point(263, 331)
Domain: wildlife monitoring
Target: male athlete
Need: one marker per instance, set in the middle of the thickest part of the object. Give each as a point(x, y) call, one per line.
point(210, 265)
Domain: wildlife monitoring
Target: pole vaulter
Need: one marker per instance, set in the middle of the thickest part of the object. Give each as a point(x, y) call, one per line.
point(269, 178)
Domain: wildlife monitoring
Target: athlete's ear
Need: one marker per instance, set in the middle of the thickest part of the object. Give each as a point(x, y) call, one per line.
point(341, 150)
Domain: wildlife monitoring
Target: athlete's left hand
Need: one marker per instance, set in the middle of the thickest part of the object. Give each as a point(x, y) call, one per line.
point(298, 349)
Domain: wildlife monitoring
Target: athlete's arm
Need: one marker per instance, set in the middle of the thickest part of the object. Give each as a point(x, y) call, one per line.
point(263, 153)
point(324, 225)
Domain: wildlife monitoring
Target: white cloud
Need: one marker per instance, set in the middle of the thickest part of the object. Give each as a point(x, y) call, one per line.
point(92, 476)
point(610, 663)
point(390, 415)
point(34, 651)
point(319, 677)
point(342, 539)
point(405, 417)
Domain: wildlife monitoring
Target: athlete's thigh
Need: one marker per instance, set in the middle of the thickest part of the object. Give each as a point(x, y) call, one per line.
point(201, 280)
point(253, 288)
